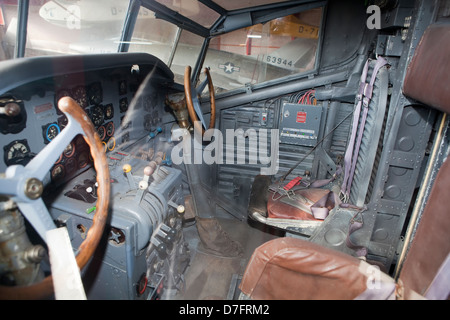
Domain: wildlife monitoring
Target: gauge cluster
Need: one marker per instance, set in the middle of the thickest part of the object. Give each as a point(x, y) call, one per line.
point(104, 99)
point(106, 95)
point(98, 101)
point(76, 156)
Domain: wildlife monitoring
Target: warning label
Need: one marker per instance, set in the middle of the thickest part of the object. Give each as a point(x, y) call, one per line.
point(301, 117)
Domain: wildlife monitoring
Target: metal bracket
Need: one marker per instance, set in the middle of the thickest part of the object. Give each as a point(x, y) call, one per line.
point(326, 160)
point(248, 88)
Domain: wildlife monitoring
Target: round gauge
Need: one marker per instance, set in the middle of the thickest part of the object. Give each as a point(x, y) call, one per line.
point(59, 159)
point(83, 160)
point(109, 111)
point(71, 165)
point(97, 115)
point(17, 152)
point(60, 94)
point(50, 132)
point(95, 93)
point(63, 121)
point(79, 140)
point(110, 129)
point(69, 150)
point(122, 87)
point(123, 104)
point(79, 94)
point(111, 144)
point(101, 132)
point(58, 173)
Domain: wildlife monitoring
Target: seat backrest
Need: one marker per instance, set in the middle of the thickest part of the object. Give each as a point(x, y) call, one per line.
point(428, 81)
point(427, 77)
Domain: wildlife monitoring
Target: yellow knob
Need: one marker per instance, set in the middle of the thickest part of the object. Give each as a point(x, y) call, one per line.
point(126, 168)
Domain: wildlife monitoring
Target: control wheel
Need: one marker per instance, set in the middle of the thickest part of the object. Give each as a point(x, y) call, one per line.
point(26, 184)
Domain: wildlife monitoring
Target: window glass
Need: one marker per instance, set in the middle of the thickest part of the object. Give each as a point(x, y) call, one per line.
point(194, 10)
point(154, 36)
point(186, 54)
point(67, 26)
point(8, 26)
point(162, 43)
point(279, 48)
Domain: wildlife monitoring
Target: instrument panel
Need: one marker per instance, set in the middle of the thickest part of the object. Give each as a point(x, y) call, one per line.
point(105, 96)
point(134, 131)
point(46, 121)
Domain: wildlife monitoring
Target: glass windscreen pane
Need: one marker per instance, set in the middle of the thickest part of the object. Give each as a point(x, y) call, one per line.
point(154, 36)
point(186, 54)
point(8, 26)
point(279, 48)
point(194, 10)
point(83, 26)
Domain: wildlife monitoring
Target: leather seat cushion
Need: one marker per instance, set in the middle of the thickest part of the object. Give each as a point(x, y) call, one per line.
point(291, 268)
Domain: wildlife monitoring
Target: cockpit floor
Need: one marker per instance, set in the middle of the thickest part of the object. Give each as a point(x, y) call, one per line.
point(210, 277)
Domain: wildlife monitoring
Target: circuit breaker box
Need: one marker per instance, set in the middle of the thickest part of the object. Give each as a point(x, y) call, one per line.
point(300, 124)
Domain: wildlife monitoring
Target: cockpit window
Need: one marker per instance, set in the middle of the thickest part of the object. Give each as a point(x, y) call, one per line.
point(175, 47)
point(188, 49)
point(8, 25)
point(279, 48)
point(83, 26)
point(194, 10)
point(161, 39)
point(249, 56)
point(68, 27)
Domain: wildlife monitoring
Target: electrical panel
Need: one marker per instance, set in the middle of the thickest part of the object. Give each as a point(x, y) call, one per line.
point(300, 124)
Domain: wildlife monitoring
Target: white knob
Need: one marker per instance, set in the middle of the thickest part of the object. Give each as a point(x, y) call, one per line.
point(143, 184)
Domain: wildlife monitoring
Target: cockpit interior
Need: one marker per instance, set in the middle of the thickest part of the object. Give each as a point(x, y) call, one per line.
point(224, 150)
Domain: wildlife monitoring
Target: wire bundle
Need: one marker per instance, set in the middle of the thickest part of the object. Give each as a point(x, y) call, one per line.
point(304, 97)
point(308, 98)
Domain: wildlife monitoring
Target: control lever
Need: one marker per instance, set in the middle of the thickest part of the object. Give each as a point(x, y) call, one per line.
point(148, 171)
point(167, 238)
point(127, 170)
point(163, 235)
point(11, 109)
point(160, 247)
point(143, 184)
point(179, 207)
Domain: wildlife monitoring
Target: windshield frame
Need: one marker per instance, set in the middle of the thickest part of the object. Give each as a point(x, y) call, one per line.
point(22, 26)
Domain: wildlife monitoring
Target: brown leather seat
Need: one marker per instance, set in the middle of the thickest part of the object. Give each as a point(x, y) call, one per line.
point(427, 81)
point(289, 268)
